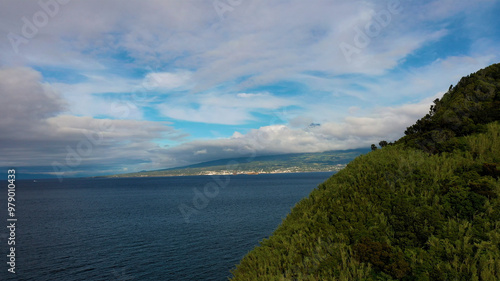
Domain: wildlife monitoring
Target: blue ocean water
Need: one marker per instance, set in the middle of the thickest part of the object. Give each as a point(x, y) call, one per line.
point(133, 229)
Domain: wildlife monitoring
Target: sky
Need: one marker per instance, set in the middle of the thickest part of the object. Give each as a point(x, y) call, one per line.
point(103, 87)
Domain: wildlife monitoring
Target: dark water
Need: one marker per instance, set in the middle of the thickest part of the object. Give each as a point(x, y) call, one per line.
point(133, 229)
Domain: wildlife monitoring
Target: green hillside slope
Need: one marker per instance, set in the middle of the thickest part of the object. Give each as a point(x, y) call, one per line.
point(285, 163)
point(426, 208)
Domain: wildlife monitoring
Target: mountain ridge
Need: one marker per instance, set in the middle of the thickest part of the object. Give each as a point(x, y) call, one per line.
point(332, 160)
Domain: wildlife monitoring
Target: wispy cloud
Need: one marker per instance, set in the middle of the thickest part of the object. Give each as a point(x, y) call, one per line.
point(180, 80)
point(221, 108)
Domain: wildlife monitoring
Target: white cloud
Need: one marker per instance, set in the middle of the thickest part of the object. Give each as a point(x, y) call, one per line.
point(35, 133)
point(264, 100)
point(203, 151)
point(261, 40)
point(169, 80)
point(101, 95)
point(27, 102)
point(206, 114)
point(385, 123)
point(413, 83)
point(217, 108)
point(258, 43)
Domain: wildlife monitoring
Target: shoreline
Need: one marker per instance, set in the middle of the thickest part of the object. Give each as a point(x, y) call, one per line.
point(215, 174)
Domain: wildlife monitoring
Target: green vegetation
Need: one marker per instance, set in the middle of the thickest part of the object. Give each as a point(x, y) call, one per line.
point(424, 208)
point(465, 109)
point(285, 163)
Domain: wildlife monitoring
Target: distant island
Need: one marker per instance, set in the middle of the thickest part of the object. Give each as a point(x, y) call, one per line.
point(424, 208)
point(328, 161)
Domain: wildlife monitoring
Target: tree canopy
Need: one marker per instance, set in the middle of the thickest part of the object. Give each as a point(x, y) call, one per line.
point(425, 208)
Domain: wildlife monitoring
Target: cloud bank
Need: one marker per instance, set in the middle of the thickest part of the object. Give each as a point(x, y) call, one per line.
point(169, 83)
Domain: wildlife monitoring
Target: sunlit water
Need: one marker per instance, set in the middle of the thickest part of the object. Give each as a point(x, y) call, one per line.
point(132, 229)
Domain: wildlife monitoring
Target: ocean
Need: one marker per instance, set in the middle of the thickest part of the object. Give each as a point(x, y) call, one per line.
point(170, 228)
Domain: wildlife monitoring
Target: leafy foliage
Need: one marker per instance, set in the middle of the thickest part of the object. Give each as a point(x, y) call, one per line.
point(463, 110)
point(424, 208)
point(383, 143)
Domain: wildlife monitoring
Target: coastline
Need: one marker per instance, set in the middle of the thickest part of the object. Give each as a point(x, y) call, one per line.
point(220, 173)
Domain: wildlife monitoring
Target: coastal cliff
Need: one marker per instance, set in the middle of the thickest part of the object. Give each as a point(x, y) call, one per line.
point(424, 208)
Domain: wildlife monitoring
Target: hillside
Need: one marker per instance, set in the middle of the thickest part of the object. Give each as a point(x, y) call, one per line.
point(285, 163)
point(425, 208)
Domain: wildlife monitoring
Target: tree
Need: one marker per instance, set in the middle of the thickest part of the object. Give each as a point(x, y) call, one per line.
point(382, 143)
point(374, 147)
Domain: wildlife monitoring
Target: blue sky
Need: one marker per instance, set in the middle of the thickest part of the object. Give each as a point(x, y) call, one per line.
point(103, 87)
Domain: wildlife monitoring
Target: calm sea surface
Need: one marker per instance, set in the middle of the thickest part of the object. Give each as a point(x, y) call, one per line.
point(133, 229)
